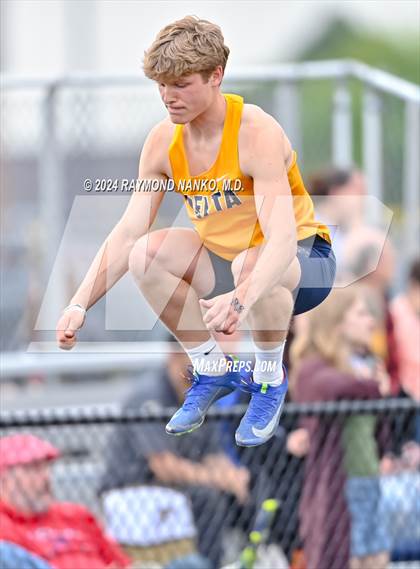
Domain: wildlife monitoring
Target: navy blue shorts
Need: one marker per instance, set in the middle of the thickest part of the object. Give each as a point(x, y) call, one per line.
point(318, 266)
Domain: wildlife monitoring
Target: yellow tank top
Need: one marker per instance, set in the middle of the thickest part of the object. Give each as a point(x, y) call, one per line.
point(220, 202)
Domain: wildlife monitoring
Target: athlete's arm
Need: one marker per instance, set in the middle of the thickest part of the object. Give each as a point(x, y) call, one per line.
point(111, 261)
point(266, 163)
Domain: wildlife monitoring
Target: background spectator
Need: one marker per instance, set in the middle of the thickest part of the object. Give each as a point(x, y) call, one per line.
point(66, 535)
point(339, 200)
point(341, 500)
point(369, 258)
point(405, 310)
point(363, 252)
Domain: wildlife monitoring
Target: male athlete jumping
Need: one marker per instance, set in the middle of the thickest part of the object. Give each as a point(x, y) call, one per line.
point(256, 252)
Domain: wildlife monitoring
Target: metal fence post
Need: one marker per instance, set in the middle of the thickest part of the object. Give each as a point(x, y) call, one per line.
point(342, 135)
point(411, 193)
point(51, 189)
point(372, 150)
point(287, 108)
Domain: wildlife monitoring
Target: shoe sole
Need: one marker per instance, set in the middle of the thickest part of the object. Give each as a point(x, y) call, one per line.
point(180, 433)
point(252, 443)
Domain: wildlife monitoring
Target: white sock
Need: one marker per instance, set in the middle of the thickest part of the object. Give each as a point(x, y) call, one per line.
point(208, 358)
point(269, 365)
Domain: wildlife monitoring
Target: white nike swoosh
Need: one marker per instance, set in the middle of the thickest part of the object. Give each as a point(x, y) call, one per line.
point(221, 178)
point(262, 433)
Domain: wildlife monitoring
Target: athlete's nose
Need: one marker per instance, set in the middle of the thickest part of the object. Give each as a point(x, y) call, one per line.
point(168, 95)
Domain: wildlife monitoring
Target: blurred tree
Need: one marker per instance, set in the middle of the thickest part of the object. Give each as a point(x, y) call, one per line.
point(342, 40)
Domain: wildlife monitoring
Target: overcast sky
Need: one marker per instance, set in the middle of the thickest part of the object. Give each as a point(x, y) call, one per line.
point(55, 36)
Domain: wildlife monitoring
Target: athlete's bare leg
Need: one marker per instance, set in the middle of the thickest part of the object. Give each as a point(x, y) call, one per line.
point(172, 269)
point(269, 320)
point(269, 317)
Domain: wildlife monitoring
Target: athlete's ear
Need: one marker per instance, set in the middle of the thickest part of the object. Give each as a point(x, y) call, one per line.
point(216, 77)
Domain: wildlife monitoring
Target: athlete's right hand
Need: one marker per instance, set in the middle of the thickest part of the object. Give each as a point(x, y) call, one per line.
point(67, 326)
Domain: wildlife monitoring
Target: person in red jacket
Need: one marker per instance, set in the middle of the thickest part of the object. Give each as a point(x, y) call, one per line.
point(66, 535)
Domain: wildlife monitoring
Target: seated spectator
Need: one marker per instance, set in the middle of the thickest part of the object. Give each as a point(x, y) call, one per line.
point(65, 535)
point(341, 499)
point(142, 458)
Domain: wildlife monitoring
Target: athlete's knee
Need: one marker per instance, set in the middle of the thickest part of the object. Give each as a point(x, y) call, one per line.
point(277, 293)
point(240, 276)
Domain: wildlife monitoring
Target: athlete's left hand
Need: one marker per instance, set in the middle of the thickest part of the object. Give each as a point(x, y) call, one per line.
point(220, 315)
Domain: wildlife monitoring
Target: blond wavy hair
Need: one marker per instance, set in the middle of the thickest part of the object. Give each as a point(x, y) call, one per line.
point(185, 47)
point(322, 336)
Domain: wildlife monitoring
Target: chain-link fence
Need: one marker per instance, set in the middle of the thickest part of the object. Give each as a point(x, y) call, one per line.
point(164, 498)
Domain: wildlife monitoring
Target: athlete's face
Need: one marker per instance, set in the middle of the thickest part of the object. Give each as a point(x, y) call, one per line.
point(189, 96)
point(358, 324)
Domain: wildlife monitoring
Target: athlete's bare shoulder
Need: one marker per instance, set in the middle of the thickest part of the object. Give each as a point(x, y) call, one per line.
point(163, 131)
point(156, 146)
point(258, 125)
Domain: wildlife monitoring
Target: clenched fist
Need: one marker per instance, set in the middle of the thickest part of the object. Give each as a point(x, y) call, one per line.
point(70, 321)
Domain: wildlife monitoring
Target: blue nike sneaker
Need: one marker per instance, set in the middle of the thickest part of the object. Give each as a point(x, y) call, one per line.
point(262, 417)
point(204, 391)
